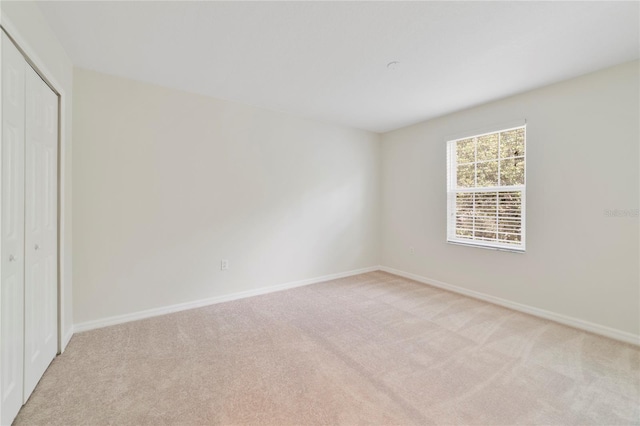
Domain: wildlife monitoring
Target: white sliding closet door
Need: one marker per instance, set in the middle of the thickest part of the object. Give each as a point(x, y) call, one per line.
point(12, 244)
point(28, 229)
point(41, 230)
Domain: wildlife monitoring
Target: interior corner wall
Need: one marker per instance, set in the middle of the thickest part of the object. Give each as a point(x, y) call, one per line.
point(582, 257)
point(26, 18)
point(169, 183)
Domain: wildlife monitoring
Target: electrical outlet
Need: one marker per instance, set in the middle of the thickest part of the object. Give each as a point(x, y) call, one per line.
point(412, 251)
point(224, 264)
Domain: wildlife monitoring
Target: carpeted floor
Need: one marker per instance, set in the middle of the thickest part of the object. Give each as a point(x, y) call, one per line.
point(369, 349)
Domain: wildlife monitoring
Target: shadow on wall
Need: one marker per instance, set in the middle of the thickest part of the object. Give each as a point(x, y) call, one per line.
point(167, 184)
point(267, 242)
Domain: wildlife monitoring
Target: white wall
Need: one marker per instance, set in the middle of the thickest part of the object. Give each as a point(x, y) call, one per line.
point(27, 25)
point(582, 141)
point(168, 183)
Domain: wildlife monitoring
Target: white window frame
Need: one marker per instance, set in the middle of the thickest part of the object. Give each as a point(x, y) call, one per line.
point(452, 191)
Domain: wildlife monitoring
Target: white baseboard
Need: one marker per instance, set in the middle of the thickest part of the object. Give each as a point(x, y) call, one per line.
point(119, 319)
point(541, 313)
point(602, 330)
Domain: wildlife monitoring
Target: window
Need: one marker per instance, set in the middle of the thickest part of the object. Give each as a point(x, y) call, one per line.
point(486, 190)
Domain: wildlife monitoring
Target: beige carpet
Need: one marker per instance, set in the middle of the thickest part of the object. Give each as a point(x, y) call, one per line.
point(370, 349)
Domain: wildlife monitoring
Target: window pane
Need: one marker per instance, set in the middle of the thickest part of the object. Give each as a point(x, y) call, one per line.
point(485, 236)
point(512, 143)
point(509, 238)
point(465, 151)
point(466, 174)
point(509, 225)
point(464, 215)
point(509, 211)
point(464, 232)
point(512, 171)
point(488, 147)
point(510, 217)
point(487, 174)
point(486, 214)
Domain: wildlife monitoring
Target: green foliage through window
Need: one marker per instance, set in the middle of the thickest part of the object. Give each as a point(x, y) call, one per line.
point(496, 159)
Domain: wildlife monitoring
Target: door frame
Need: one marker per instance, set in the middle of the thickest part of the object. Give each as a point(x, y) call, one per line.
point(64, 275)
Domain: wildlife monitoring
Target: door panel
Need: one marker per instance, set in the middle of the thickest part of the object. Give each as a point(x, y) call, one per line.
point(41, 253)
point(12, 239)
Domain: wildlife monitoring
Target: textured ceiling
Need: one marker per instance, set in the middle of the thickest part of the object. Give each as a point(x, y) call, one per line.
point(328, 60)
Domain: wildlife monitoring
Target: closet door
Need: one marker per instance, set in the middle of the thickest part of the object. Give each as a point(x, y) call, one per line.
point(12, 231)
point(41, 225)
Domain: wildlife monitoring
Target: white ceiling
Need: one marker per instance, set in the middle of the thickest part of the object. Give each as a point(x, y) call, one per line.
point(328, 60)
